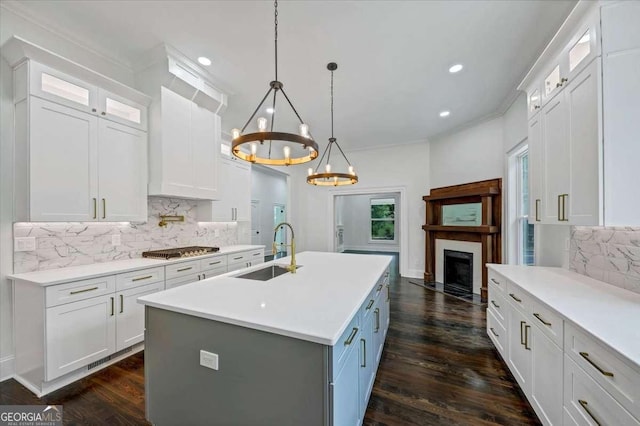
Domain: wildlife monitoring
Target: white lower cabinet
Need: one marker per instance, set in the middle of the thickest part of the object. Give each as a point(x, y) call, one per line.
point(519, 353)
point(546, 371)
point(346, 399)
point(130, 315)
point(366, 371)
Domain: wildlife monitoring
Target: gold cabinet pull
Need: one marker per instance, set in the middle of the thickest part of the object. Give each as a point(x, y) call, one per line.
point(215, 263)
point(377, 312)
point(564, 207)
point(364, 353)
point(83, 291)
point(371, 302)
point(559, 216)
point(388, 292)
point(95, 208)
point(237, 258)
point(121, 303)
point(585, 355)
point(351, 336)
point(494, 332)
point(537, 210)
point(379, 288)
point(526, 337)
point(585, 407)
point(548, 324)
point(522, 323)
point(104, 208)
point(142, 278)
point(112, 308)
point(513, 296)
point(493, 302)
point(184, 269)
point(495, 282)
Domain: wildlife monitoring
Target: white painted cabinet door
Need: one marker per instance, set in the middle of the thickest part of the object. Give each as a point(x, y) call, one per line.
point(205, 137)
point(121, 110)
point(546, 371)
point(78, 334)
point(122, 172)
point(241, 190)
point(130, 315)
point(583, 203)
point(345, 392)
point(535, 169)
point(556, 158)
point(519, 357)
point(223, 209)
point(177, 162)
point(367, 364)
point(63, 163)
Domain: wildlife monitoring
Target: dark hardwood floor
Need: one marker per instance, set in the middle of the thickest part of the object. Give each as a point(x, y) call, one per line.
point(438, 368)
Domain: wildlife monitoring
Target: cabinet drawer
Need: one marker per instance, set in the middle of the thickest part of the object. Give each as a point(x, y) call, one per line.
point(497, 280)
point(548, 321)
point(237, 258)
point(182, 269)
point(587, 403)
point(213, 272)
point(141, 277)
point(79, 290)
point(256, 256)
point(496, 332)
point(213, 263)
point(497, 303)
point(616, 376)
point(369, 303)
point(349, 340)
point(518, 298)
point(182, 280)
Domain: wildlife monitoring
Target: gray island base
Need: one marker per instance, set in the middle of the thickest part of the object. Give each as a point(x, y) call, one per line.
point(309, 364)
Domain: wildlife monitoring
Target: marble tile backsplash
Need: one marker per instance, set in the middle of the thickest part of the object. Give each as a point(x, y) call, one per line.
point(609, 254)
point(62, 244)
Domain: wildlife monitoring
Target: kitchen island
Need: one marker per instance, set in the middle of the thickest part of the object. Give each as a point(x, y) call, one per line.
point(297, 349)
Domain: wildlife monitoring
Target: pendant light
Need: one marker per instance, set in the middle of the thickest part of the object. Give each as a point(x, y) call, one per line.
point(328, 177)
point(270, 147)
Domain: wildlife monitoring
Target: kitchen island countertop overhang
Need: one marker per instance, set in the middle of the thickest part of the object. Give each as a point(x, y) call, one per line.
point(314, 304)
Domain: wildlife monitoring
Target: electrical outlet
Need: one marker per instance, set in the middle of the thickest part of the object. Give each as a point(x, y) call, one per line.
point(115, 240)
point(209, 360)
point(24, 244)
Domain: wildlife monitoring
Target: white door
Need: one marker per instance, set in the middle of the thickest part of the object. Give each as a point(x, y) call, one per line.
point(535, 169)
point(583, 204)
point(256, 237)
point(519, 357)
point(555, 131)
point(79, 333)
point(205, 131)
point(130, 315)
point(63, 163)
point(546, 367)
point(122, 159)
point(177, 163)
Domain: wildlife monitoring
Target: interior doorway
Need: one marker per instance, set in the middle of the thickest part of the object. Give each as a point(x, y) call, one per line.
point(279, 216)
point(255, 222)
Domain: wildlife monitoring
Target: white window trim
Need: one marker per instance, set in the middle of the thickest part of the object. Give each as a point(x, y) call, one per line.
point(395, 222)
point(514, 216)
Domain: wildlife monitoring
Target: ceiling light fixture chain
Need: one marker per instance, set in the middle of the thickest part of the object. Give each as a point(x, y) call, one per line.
point(329, 178)
point(253, 141)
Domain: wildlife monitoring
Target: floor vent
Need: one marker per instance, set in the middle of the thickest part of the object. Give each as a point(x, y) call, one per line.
point(108, 358)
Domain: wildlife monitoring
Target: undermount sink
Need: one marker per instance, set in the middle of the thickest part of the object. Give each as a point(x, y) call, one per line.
point(265, 274)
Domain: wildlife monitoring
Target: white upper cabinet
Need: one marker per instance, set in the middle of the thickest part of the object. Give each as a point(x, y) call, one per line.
point(184, 144)
point(74, 163)
point(535, 164)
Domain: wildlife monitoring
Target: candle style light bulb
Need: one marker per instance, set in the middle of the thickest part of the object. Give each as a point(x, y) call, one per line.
point(235, 133)
point(328, 168)
point(254, 148)
point(287, 151)
point(310, 171)
point(351, 171)
point(262, 124)
point(304, 130)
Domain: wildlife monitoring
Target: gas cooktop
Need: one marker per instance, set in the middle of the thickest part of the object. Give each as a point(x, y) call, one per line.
point(179, 252)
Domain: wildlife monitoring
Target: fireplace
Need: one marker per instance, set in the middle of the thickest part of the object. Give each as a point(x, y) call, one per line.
point(458, 272)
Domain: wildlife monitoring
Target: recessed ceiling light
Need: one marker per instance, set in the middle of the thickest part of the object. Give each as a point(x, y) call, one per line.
point(455, 68)
point(270, 110)
point(445, 113)
point(204, 61)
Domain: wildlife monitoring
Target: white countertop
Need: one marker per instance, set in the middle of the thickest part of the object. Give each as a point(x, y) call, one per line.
point(314, 304)
point(82, 272)
point(609, 313)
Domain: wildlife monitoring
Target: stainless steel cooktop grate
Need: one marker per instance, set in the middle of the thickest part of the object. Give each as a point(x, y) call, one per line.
point(179, 252)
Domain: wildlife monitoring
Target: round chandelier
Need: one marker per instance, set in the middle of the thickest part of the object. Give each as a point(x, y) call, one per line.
point(329, 178)
point(270, 147)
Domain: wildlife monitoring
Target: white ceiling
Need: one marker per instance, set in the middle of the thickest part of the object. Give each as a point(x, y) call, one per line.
point(393, 56)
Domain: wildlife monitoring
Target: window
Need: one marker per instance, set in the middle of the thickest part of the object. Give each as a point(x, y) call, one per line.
point(524, 233)
point(383, 225)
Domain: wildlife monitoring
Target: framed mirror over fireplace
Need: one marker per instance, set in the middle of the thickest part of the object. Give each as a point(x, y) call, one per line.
point(463, 233)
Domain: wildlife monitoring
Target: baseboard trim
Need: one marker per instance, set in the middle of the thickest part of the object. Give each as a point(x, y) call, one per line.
point(414, 273)
point(7, 368)
point(379, 248)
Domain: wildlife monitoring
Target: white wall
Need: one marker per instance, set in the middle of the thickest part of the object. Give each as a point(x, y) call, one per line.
point(355, 213)
point(269, 187)
point(404, 166)
point(470, 155)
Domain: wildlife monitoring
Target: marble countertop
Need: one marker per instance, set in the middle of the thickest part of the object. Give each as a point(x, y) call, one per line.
point(314, 304)
point(609, 313)
point(75, 273)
